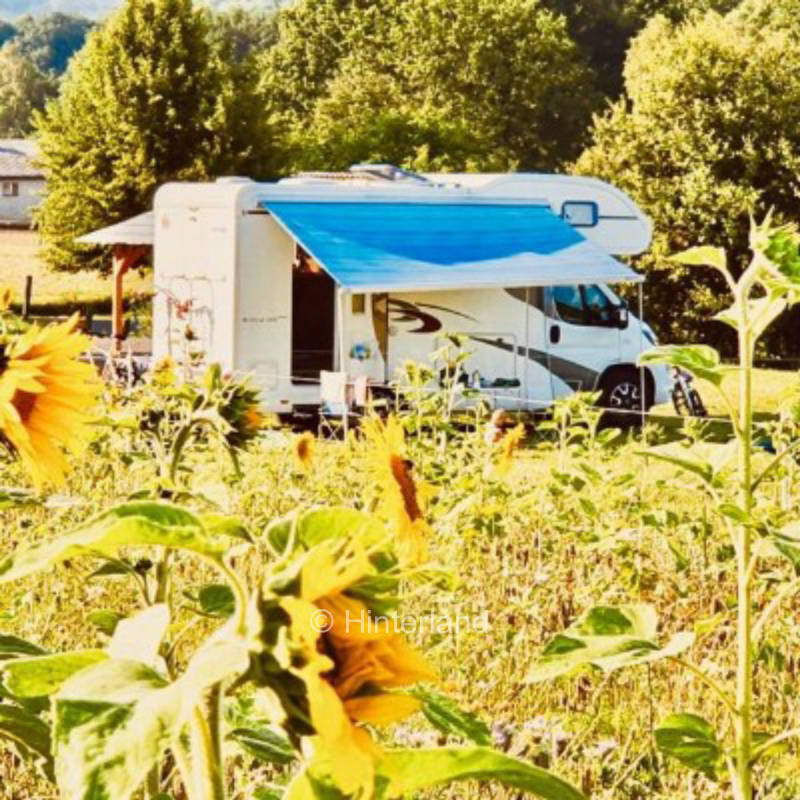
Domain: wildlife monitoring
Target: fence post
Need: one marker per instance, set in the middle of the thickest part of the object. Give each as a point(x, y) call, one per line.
point(26, 301)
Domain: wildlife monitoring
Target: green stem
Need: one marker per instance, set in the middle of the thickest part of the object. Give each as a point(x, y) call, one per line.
point(711, 683)
point(177, 449)
point(214, 717)
point(153, 784)
point(207, 776)
point(744, 661)
point(184, 764)
point(162, 576)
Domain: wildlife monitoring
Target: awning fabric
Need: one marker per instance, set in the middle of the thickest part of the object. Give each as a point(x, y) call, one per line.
point(398, 246)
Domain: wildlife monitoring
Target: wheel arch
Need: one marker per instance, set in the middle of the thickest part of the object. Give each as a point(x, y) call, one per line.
point(614, 371)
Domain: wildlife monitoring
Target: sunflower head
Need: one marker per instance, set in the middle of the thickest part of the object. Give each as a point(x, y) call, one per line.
point(304, 450)
point(398, 492)
point(46, 398)
point(163, 373)
point(351, 664)
point(506, 448)
point(238, 404)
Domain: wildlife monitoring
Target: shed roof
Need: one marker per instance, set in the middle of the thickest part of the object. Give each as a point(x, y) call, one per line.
point(136, 230)
point(17, 159)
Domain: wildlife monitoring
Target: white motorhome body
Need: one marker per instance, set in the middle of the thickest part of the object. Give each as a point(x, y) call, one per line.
point(242, 279)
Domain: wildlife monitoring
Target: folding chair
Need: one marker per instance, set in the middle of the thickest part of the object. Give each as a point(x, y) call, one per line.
point(335, 403)
point(361, 396)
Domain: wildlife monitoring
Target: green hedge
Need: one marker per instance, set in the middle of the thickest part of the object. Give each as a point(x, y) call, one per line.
point(88, 307)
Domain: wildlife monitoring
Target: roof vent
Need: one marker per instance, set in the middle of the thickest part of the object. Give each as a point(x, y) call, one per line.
point(389, 172)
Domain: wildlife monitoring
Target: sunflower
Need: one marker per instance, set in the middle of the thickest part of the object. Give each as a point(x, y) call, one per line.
point(349, 664)
point(238, 404)
point(304, 450)
point(506, 448)
point(45, 393)
point(399, 500)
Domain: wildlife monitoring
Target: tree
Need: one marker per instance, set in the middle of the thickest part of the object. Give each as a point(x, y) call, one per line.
point(603, 29)
point(439, 84)
point(7, 31)
point(709, 132)
point(23, 89)
point(51, 40)
point(149, 99)
point(314, 36)
point(245, 33)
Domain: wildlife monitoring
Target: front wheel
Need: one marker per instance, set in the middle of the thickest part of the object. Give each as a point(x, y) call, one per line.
point(622, 398)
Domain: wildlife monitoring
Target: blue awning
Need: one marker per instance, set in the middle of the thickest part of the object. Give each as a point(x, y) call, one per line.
point(408, 246)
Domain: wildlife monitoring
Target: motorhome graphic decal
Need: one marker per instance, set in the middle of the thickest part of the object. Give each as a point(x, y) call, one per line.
point(573, 374)
point(387, 310)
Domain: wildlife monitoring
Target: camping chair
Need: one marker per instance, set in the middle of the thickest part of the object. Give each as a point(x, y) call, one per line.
point(335, 404)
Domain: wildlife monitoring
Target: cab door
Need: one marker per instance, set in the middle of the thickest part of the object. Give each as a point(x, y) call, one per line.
point(582, 336)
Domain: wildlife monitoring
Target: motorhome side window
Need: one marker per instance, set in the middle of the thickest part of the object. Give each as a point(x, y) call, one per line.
point(599, 309)
point(568, 303)
point(583, 305)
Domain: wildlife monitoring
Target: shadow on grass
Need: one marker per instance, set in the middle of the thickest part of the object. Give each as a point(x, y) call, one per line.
point(719, 430)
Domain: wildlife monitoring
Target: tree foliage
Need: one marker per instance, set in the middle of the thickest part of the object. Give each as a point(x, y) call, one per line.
point(244, 32)
point(23, 88)
point(7, 31)
point(710, 126)
point(150, 98)
point(603, 29)
point(51, 40)
point(428, 83)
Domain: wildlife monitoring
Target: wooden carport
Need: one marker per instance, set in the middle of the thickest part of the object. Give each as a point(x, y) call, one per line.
point(130, 241)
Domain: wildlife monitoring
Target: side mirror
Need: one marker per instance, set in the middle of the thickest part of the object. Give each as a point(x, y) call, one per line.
point(620, 317)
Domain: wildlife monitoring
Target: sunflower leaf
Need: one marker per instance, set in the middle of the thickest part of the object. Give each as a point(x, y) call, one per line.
point(704, 256)
point(608, 638)
point(264, 743)
point(114, 720)
point(28, 735)
point(11, 497)
point(692, 741)
point(41, 676)
point(105, 620)
point(138, 524)
point(403, 772)
point(227, 526)
point(320, 524)
point(445, 715)
point(700, 360)
point(217, 599)
point(14, 647)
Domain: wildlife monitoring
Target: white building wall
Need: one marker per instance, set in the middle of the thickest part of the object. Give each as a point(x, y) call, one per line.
point(18, 210)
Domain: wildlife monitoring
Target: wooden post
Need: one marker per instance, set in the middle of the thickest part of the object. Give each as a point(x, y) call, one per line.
point(26, 301)
point(124, 257)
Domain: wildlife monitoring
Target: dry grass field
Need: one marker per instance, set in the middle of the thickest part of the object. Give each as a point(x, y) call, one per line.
point(19, 257)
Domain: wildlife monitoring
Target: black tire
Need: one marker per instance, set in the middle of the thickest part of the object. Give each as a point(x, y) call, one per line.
point(622, 398)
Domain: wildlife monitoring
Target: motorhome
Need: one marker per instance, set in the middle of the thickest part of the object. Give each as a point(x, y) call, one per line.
point(360, 271)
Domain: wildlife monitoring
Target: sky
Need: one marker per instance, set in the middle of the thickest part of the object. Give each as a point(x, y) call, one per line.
point(10, 9)
point(95, 9)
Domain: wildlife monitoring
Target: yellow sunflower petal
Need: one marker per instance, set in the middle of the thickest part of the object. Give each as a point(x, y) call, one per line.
point(381, 709)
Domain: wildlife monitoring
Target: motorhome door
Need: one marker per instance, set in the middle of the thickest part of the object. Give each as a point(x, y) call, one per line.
point(583, 336)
